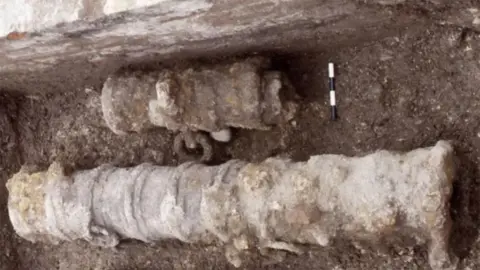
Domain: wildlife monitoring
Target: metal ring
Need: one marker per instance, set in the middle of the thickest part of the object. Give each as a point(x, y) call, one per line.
point(179, 146)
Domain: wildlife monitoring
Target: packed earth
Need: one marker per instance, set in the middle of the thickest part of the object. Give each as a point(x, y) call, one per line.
point(406, 90)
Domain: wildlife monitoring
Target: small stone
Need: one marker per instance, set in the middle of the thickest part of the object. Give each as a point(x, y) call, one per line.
point(390, 2)
point(476, 21)
point(232, 256)
point(241, 243)
point(386, 55)
point(224, 135)
point(437, 2)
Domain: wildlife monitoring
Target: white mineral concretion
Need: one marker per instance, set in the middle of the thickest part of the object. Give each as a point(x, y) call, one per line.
point(224, 135)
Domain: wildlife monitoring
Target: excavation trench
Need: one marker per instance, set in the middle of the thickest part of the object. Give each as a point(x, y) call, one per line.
point(406, 79)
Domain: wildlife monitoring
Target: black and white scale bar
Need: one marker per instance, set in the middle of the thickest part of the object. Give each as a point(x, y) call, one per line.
point(331, 83)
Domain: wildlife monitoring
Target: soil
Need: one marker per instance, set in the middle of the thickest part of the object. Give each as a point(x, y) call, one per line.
point(398, 93)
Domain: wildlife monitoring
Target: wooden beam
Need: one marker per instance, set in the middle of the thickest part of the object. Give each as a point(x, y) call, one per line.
point(187, 27)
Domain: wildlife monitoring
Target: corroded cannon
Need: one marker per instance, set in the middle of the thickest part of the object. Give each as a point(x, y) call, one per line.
point(274, 204)
point(244, 93)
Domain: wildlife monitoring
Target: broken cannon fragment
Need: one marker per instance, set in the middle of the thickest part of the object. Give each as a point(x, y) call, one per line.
point(274, 204)
point(211, 98)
